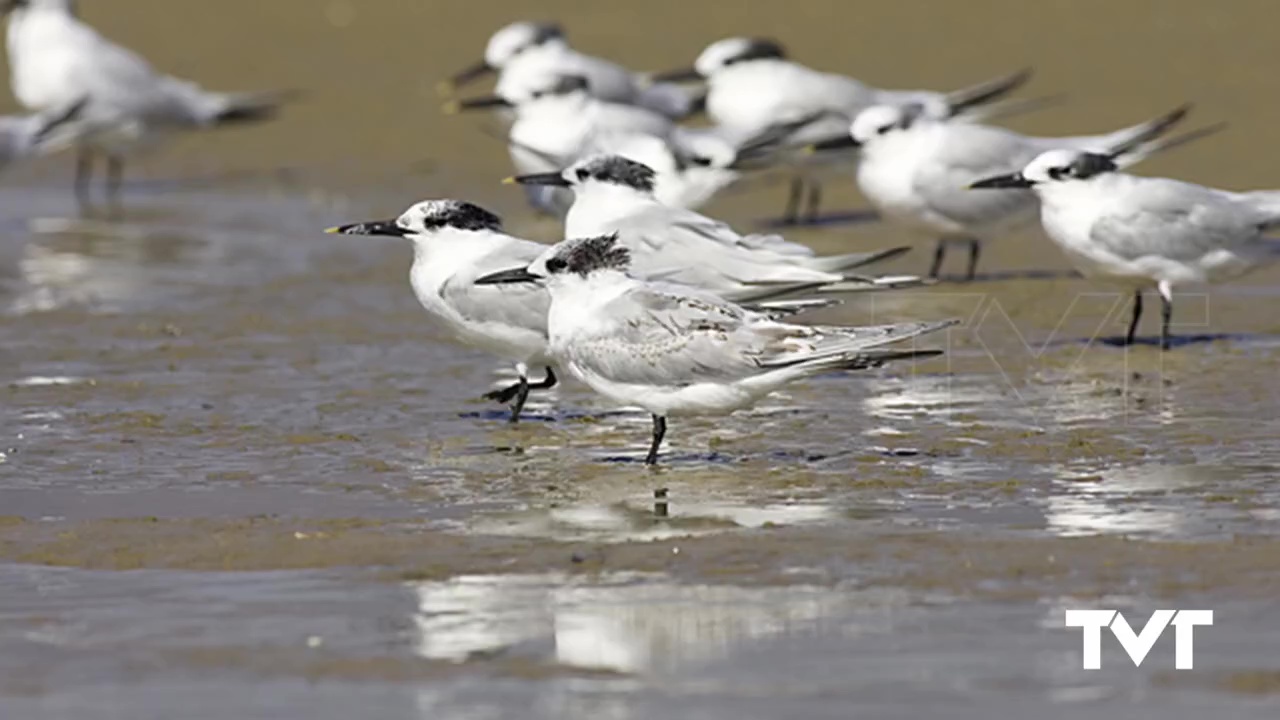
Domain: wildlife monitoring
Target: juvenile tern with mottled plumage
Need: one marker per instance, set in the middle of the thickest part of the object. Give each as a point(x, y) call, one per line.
point(678, 351)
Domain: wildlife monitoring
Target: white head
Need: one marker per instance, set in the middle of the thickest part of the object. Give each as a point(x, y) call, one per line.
point(506, 45)
point(572, 260)
point(722, 54)
point(599, 172)
point(731, 51)
point(517, 38)
point(879, 121)
point(1053, 168)
point(428, 218)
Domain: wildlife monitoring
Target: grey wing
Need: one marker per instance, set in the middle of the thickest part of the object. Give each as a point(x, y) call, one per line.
point(1179, 221)
point(974, 153)
point(661, 337)
point(522, 305)
point(121, 79)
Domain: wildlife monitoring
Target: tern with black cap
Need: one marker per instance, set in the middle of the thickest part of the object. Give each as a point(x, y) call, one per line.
point(1142, 232)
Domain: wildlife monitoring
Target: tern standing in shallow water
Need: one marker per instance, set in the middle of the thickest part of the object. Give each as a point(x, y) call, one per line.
point(454, 243)
point(55, 60)
point(675, 350)
point(615, 195)
point(915, 170)
point(1142, 232)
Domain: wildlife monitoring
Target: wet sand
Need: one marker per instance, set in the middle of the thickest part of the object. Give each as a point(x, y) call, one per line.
point(320, 517)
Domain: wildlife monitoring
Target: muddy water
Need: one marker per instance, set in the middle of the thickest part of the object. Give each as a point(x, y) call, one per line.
point(241, 476)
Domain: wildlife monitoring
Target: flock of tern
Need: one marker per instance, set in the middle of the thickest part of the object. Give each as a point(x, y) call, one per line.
point(647, 301)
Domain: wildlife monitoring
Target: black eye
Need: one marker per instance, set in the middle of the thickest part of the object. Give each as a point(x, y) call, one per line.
point(582, 174)
point(537, 95)
point(555, 265)
point(884, 130)
point(1058, 173)
point(700, 161)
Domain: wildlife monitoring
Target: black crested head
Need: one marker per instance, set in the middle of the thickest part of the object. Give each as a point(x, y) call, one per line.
point(759, 49)
point(1085, 166)
point(585, 255)
point(544, 31)
point(617, 170)
point(911, 112)
point(1090, 164)
point(566, 84)
point(458, 215)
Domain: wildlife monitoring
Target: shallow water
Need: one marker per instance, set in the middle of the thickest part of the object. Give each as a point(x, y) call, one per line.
point(241, 475)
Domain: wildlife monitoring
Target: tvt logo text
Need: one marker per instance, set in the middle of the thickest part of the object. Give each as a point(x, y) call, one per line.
point(1139, 644)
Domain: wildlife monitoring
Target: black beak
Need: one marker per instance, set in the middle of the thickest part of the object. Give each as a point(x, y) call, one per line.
point(471, 74)
point(1015, 180)
point(476, 103)
point(552, 179)
point(676, 76)
point(374, 227)
point(507, 277)
point(844, 142)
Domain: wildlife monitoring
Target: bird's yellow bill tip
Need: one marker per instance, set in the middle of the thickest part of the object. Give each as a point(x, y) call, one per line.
point(510, 180)
point(453, 107)
point(809, 150)
point(335, 230)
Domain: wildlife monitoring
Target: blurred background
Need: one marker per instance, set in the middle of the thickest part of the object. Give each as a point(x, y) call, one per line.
point(369, 70)
point(323, 519)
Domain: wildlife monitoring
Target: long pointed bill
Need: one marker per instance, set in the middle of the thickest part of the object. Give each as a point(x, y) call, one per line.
point(508, 277)
point(1015, 180)
point(374, 227)
point(552, 179)
point(476, 103)
point(675, 76)
point(468, 76)
point(844, 142)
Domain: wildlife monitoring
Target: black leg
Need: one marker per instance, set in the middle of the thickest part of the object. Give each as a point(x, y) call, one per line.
point(975, 249)
point(939, 252)
point(659, 431)
point(522, 394)
point(815, 202)
point(547, 383)
point(115, 173)
point(515, 394)
point(1137, 313)
point(84, 173)
point(1166, 314)
point(792, 212)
